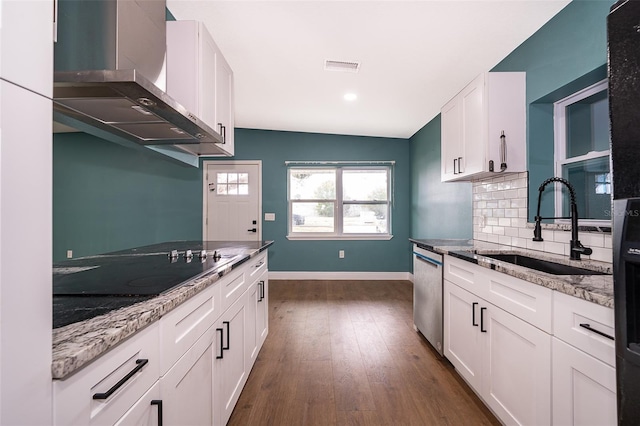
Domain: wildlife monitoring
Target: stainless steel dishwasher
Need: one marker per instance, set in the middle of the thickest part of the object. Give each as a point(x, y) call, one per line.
point(427, 295)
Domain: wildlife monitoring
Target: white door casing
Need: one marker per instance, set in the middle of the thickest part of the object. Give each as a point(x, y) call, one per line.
point(231, 209)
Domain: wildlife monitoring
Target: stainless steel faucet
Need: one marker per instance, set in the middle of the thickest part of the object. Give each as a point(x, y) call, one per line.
point(575, 245)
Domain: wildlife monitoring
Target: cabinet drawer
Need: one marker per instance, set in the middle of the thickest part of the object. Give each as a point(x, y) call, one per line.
point(570, 312)
point(74, 402)
point(528, 301)
point(257, 266)
point(233, 285)
point(183, 326)
point(465, 274)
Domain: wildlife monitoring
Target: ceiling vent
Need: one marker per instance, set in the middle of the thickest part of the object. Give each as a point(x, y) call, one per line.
point(344, 66)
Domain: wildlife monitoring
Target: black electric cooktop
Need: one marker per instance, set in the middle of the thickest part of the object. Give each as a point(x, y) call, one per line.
point(86, 287)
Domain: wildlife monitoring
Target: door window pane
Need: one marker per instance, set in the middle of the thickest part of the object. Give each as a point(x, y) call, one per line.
point(232, 183)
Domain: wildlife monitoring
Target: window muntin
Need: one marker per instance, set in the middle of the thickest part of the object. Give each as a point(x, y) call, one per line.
point(582, 152)
point(232, 183)
point(339, 202)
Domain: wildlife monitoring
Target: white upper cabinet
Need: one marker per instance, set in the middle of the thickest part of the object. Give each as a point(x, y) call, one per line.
point(199, 77)
point(474, 121)
point(26, 44)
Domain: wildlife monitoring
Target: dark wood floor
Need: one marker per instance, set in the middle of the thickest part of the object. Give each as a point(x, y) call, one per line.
point(346, 353)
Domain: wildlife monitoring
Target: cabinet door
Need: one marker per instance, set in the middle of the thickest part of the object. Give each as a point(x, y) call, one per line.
point(462, 344)
point(224, 102)
point(472, 100)
point(26, 44)
point(451, 145)
point(187, 389)
point(517, 369)
point(584, 388)
point(251, 333)
point(230, 371)
point(262, 316)
point(146, 411)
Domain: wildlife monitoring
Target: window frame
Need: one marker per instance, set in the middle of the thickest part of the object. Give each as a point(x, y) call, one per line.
point(560, 147)
point(339, 203)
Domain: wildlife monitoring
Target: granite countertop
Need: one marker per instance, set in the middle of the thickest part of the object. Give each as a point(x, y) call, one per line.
point(75, 345)
point(593, 288)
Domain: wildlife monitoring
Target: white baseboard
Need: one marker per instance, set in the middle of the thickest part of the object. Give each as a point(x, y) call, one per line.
point(303, 275)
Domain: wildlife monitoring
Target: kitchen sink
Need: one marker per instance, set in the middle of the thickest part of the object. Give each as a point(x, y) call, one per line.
point(543, 265)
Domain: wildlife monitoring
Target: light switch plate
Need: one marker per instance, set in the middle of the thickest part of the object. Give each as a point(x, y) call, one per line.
point(269, 217)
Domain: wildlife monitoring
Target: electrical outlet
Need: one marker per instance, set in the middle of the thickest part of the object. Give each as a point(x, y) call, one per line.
point(69, 254)
point(341, 254)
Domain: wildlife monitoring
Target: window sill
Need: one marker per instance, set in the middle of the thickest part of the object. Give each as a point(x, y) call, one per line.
point(355, 237)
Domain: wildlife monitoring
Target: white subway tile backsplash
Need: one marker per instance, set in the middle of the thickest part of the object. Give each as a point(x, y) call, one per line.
point(504, 221)
point(504, 240)
point(602, 254)
point(500, 215)
point(512, 232)
point(511, 213)
point(553, 247)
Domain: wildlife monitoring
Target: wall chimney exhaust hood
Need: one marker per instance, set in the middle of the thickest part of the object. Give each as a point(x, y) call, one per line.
point(110, 75)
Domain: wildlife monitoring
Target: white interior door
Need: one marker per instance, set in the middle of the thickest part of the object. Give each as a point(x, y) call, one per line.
point(232, 201)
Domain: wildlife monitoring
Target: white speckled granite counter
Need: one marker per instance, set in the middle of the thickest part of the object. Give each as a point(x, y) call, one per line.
point(594, 288)
point(76, 345)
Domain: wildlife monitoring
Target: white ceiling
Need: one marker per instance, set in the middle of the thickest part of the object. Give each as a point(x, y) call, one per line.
point(414, 55)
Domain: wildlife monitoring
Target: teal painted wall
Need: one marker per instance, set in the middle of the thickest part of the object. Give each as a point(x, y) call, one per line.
point(107, 197)
point(438, 210)
point(565, 55)
point(274, 148)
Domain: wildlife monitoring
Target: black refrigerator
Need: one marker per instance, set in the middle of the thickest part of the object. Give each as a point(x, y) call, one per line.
point(623, 34)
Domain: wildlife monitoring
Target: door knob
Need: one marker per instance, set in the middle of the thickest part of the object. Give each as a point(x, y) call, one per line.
point(252, 230)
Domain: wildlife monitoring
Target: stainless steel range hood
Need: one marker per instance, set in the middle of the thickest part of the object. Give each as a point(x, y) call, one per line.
point(109, 74)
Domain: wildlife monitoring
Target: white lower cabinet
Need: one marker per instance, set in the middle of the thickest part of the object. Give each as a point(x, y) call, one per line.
point(231, 366)
point(187, 369)
point(534, 356)
point(104, 391)
point(490, 349)
point(187, 389)
point(146, 412)
point(584, 388)
point(583, 354)
point(516, 368)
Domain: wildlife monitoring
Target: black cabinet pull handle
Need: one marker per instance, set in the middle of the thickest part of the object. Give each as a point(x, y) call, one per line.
point(158, 402)
point(473, 315)
point(221, 343)
point(260, 291)
point(454, 166)
point(223, 133)
point(226, 323)
point(482, 320)
point(588, 327)
point(459, 163)
point(141, 363)
point(252, 230)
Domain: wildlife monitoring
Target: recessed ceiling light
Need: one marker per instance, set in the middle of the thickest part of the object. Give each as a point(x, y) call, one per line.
point(350, 97)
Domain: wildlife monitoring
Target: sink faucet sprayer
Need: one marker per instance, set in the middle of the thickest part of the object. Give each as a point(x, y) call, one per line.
point(576, 247)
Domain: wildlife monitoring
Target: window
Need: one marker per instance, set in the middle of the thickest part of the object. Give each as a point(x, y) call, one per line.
point(232, 183)
point(582, 152)
point(340, 202)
